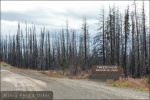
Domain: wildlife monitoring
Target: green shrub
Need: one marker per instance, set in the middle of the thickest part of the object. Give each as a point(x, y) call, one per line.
point(4, 64)
point(63, 65)
point(148, 80)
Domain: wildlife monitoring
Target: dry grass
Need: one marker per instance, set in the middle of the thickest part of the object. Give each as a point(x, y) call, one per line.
point(67, 74)
point(5, 64)
point(142, 84)
point(16, 68)
point(8, 65)
point(55, 73)
point(52, 73)
point(82, 75)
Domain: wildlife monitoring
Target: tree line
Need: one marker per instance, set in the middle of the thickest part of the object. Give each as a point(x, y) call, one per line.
point(120, 40)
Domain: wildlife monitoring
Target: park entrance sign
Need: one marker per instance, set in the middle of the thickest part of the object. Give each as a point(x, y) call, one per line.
point(106, 69)
point(105, 72)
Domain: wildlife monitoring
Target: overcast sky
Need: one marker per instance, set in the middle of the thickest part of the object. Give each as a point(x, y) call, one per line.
point(53, 14)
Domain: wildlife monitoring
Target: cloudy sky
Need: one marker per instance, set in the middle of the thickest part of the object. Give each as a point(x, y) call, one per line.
point(53, 14)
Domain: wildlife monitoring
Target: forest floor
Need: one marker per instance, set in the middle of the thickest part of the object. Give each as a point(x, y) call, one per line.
point(142, 84)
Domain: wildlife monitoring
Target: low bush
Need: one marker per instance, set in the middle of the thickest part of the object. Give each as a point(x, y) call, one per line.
point(140, 84)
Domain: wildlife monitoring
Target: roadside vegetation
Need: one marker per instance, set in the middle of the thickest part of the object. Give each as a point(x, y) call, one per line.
point(4, 64)
point(65, 74)
point(71, 74)
point(142, 84)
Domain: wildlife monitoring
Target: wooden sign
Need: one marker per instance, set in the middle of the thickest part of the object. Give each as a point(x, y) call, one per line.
point(106, 69)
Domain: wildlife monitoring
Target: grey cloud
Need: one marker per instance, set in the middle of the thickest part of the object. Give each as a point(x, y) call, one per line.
point(14, 16)
point(41, 16)
point(38, 17)
point(78, 14)
point(29, 16)
point(46, 17)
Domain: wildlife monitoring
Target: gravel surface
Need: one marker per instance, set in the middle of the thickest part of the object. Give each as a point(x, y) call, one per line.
point(19, 80)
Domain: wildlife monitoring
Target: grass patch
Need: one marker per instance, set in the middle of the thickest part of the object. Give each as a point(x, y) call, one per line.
point(141, 84)
point(53, 73)
point(147, 79)
point(82, 75)
point(4, 64)
point(66, 74)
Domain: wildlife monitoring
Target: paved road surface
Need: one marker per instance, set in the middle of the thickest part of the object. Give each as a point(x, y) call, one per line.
point(14, 80)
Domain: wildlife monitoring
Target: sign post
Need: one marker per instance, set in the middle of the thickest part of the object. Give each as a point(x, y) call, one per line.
point(104, 72)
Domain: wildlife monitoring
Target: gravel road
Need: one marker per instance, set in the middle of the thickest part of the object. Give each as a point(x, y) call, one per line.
point(19, 80)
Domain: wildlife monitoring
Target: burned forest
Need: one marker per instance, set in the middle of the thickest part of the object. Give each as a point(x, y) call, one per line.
point(121, 39)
